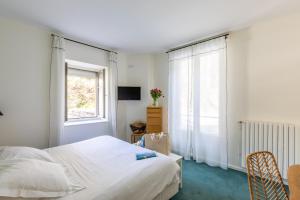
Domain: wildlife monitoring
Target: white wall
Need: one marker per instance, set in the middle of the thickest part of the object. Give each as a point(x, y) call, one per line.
point(24, 84)
point(147, 71)
point(263, 76)
point(274, 68)
point(75, 133)
point(25, 55)
point(139, 73)
point(122, 105)
point(133, 70)
point(264, 66)
point(161, 76)
point(263, 81)
point(78, 132)
point(236, 93)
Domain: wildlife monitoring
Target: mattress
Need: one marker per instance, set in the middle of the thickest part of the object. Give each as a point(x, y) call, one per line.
point(107, 167)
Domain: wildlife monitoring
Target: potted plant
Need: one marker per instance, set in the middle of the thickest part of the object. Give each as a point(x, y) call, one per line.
point(155, 93)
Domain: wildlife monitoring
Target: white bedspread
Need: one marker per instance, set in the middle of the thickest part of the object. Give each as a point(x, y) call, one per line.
point(107, 167)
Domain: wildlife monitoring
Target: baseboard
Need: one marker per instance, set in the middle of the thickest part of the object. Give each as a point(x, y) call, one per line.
point(237, 168)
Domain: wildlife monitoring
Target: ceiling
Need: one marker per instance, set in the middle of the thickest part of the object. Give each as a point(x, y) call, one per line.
point(142, 25)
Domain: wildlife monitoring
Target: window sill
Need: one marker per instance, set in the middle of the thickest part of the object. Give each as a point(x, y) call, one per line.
point(82, 122)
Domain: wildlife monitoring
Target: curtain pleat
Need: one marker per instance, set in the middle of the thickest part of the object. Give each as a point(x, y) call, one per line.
point(57, 91)
point(113, 78)
point(197, 102)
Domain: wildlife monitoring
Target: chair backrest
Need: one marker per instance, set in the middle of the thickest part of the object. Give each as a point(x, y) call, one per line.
point(264, 179)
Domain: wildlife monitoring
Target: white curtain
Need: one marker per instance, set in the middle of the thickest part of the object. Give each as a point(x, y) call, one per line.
point(113, 78)
point(197, 102)
point(57, 91)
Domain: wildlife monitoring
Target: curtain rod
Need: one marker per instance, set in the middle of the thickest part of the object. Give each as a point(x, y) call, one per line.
point(198, 42)
point(86, 44)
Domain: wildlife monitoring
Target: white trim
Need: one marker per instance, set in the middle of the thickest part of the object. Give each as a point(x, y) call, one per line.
point(88, 121)
point(77, 65)
point(84, 66)
point(237, 168)
point(241, 169)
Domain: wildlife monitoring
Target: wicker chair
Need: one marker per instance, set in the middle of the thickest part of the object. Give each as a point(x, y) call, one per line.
point(264, 179)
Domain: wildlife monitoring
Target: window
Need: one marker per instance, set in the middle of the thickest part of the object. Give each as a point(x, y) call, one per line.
point(85, 91)
point(197, 102)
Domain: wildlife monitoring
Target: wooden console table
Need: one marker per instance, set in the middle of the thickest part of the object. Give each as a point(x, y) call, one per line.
point(154, 119)
point(136, 137)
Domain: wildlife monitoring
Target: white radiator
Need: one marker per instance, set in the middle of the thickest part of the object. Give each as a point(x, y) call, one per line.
point(278, 138)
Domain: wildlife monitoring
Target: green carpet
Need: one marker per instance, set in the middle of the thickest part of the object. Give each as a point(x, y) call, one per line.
point(201, 182)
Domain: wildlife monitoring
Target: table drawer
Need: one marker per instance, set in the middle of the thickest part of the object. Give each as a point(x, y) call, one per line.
point(154, 115)
point(154, 128)
point(154, 121)
point(154, 110)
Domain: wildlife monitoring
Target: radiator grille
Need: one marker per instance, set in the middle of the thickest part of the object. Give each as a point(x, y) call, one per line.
point(278, 138)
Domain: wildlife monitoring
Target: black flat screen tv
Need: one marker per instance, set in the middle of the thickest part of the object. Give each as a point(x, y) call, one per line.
point(129, 93)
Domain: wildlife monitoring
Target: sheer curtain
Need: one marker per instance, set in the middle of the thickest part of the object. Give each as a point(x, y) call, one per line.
point(113, 78)
point(57, 91)
point(197, 102)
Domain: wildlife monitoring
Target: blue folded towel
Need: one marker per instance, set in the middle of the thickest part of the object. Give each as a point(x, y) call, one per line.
point(141, 156)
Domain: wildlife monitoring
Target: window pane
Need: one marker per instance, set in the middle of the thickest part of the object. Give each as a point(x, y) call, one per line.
point(209, 92)
point(82, 94)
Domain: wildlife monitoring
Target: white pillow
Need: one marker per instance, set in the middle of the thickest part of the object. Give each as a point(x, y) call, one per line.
point(14, 152)
point(29, 178)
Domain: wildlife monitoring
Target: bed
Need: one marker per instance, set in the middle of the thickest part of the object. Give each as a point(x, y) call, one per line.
point(107, 167)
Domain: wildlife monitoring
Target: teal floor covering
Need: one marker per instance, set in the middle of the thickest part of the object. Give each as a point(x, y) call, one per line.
point(202, 182)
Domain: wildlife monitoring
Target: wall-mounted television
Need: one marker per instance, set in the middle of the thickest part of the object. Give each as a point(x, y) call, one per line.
point(129, 93)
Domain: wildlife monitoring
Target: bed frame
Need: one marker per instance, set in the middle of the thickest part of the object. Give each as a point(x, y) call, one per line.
point(168, 192)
